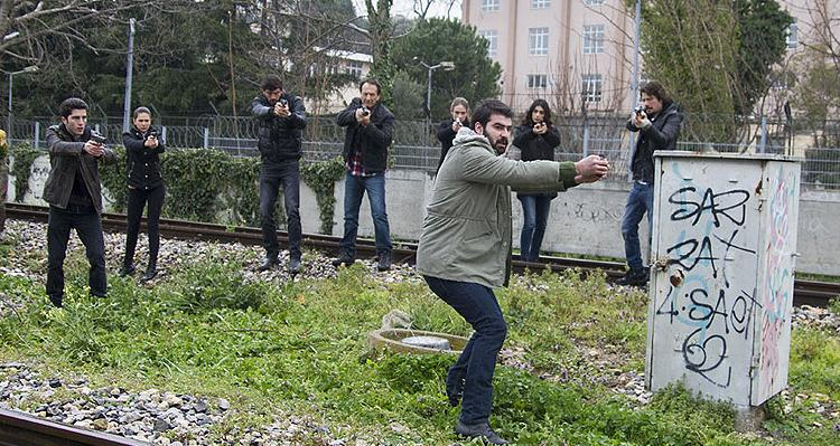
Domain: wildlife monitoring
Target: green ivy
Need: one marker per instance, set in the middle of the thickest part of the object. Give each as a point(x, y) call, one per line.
point(321, 177)
point(24, 155)
point(114, 179)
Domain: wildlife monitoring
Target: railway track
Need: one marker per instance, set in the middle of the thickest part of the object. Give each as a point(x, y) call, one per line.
point(21, 429)
point(805, 292)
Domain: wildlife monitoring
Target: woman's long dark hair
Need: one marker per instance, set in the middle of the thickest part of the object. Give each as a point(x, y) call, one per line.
point(528, 120)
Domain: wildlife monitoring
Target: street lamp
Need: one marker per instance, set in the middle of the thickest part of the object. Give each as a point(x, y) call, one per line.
point(447, 66)
point(11, 74)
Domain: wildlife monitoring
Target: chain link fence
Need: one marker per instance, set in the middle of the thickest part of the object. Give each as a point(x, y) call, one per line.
point(416, 147)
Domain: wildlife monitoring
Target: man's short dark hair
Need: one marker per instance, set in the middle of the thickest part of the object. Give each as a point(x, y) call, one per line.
point(656, 90)
point(373, 82)
point(488, 108)
point(70, 104)
point(272, 82)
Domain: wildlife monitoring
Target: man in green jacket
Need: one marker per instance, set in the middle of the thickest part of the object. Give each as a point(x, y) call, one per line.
point(465, 247)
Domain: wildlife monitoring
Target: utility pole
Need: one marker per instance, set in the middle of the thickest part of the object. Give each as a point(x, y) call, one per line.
point(129, 69)
point(634, 83)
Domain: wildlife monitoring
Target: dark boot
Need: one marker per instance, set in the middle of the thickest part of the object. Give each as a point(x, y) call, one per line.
point(151, 272)
point(294, 266)
point(454, 392)
point(634, 277)
point(343, 259)
point(481, 431)
point(268, 263)
point(57, 301)
point(384, 261)
point(127, 270)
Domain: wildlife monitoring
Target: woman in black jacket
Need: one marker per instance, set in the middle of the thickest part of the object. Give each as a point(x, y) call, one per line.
point(536, 138)
point(459, 110)
point(145, 184)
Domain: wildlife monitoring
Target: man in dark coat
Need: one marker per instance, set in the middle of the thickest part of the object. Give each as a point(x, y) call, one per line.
point(74, 193)
point(658, 123)
point(281, 117)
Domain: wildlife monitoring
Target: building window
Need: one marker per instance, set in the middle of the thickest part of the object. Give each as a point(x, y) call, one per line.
point(492, 37)
point(537, 81)
point(353, 68)
point(593, 39)
point(538, 41)
point(540, 4)
point(792, 38)
point(593, 2)
point(489, 5)
point(591, 88)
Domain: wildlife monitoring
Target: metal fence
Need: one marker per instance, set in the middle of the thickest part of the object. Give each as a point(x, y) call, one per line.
point(416, 147)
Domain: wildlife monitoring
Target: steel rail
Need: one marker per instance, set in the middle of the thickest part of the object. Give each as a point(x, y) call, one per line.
point(805, 292)
point(23, 429)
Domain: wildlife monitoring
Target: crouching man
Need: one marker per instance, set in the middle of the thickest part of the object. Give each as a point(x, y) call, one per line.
point(465, 248)
point(74, 193)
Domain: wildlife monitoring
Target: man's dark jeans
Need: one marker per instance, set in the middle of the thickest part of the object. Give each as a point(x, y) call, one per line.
point(639, 203)
point(477, 305)
point(535, 210)
point(354, 190)
point(137, 199)
point(88, 226)
point(272, 175)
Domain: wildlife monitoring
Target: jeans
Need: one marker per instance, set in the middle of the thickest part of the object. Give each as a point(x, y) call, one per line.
point(272, 175)
point(477, 305)
point(639, 202)
point(137, 199)
point(354, 190)
point(88, 226)
point(535, 210)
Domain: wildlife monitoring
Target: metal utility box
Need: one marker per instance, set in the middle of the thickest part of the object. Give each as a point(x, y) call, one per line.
point(722, 262)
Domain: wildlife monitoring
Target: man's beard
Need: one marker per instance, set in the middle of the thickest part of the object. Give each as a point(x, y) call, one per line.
point(499, 144)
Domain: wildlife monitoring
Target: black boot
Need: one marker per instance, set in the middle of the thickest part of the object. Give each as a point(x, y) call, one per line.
point(127, 269)
point(268, 263)
point(343, 259)
point(634, 277)
point(384, 261)
point(151, 272)
point(294, 265)
point(481, 431)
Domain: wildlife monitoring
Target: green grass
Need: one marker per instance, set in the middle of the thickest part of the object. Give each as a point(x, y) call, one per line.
point(302, 348)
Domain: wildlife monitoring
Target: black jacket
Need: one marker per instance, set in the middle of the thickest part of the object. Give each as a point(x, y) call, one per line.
point(67, 155)
point(142, 163)
point(662, 135)
point(536, 147)
point(279, 138)
point(372, 140)
point(445, 135)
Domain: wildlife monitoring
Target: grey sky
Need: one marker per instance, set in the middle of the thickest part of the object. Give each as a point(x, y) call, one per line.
point(406, 8)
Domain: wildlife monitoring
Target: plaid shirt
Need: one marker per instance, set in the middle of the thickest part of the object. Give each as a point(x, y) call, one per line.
point(355, 166)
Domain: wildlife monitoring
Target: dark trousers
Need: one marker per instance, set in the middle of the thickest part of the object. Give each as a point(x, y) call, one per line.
point(354, 190)
point(137, 199)
point(272, 175)
point(88, 226)
point(475, 367)
point(535, 210)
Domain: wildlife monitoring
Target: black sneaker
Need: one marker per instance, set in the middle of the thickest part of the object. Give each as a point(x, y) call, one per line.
point(267, 264)
point(343, 259)
point(454, 393)
point(384, 263)
point(481, 431)
point(127, 270)
point(151, 273)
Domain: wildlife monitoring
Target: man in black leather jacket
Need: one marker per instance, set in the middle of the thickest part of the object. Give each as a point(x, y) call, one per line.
point(370, 129)
point(658, 125)
point(74, 193)
point(281, 117)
